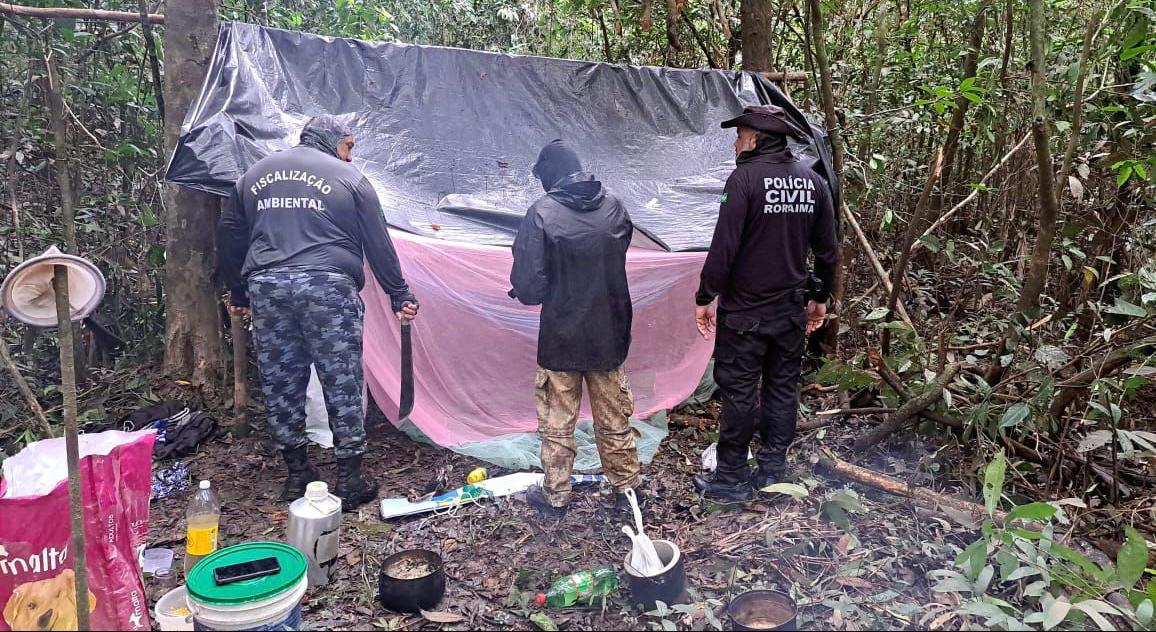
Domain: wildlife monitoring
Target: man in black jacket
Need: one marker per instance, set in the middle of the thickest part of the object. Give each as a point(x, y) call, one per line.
point(775, 211)
point(298, 226)
point(570, 258)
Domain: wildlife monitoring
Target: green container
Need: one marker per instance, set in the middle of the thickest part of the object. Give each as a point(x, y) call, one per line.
point(203, 587)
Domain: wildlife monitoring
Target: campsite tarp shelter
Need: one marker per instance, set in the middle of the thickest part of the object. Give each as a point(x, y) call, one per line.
point(448, 137)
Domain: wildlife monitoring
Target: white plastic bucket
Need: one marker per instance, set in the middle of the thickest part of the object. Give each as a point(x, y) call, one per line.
point(282, 612)
point(166, 605)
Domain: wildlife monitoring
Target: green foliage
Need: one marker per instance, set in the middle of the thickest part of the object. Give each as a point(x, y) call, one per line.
point(1055, 586)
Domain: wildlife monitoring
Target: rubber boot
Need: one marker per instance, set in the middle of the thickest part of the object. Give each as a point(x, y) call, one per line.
point(301, 473)
point(353, 490)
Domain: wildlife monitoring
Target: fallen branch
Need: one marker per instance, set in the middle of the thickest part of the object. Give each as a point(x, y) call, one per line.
point(25, 390)
point(869, 252)
point(891, 485)
point(1114, 361)
point(911, 408)
point(855, 411)
point(808, 425)
point(890, 377)
point(52, 13)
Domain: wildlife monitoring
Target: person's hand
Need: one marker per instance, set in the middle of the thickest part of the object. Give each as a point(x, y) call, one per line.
point(816, 314)
point(408, 312)
point(243, 312)
point(704, 317)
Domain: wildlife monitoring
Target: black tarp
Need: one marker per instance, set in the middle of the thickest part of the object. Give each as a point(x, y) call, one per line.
point(448, 136)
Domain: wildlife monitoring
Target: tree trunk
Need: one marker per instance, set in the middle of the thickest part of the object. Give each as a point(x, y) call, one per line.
point(673, 13)
point(827, 94)
point(874, 78)
point(55, 96)
point(23, 112)
point(1037, 274)
point(1008, 45)
point(756, 34)
point(194, 346)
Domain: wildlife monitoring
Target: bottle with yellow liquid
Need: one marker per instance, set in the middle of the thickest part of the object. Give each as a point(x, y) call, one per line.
point(204, 519)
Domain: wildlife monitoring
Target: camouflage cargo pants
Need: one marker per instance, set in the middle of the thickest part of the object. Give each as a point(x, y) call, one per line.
point(303, 318)
point(559, 398)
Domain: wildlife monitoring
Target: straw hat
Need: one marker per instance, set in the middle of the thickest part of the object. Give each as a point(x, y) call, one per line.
point(28, 296)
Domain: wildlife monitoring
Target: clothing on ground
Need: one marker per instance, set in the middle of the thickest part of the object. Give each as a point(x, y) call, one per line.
point(775, 210)
point(570, 258)
point(303, 209)
point(757, 363)
point(303, 318)
point(559, 397)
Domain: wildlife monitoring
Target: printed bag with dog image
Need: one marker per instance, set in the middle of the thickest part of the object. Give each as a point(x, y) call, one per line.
point(37, 580)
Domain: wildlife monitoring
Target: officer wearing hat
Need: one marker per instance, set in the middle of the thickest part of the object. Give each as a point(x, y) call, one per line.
point(757, 292)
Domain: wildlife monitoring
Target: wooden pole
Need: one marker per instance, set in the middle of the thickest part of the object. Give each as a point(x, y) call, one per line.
point(795, 76)
point(52, 13)
point(240, 374)
point(71, 443)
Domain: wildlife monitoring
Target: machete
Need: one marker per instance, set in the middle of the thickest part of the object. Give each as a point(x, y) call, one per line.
point(405, 407)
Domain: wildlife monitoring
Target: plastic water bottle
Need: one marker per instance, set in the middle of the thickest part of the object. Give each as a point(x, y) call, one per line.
point(314, 529)
point(584, 586)
point(203, 525)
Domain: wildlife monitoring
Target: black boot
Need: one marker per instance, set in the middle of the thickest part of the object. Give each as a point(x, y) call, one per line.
point(536, 498)
point(353, 490)
point(768, 474)
point(621, 507)
point(720, 492)
point(301, 473)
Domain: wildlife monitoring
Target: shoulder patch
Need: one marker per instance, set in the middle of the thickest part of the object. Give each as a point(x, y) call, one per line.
point(723, 199)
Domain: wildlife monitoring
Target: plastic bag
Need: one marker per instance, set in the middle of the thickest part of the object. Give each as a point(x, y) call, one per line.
point(316, 416)
point(37, 581)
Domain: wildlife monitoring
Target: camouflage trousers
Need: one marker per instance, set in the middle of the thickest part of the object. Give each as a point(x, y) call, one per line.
point(303, 318)
point(559, 398)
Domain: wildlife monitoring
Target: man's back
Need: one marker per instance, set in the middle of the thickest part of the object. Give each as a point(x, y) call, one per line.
point(570, 257)
point(775, 211)
point(301, 208)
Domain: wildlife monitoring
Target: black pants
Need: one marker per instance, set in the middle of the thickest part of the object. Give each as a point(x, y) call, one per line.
point(766, 347)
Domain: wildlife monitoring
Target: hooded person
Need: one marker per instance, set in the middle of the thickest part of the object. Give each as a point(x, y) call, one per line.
point(291, 244)
point(570, 258)
point(775, 212)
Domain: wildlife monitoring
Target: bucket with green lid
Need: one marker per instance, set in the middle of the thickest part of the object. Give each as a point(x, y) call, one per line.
point(268, 602)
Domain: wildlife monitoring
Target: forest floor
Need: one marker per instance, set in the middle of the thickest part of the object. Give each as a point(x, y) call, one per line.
point(852, 557)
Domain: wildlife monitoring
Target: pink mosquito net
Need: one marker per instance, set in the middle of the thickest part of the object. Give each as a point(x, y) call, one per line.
point(475, 348)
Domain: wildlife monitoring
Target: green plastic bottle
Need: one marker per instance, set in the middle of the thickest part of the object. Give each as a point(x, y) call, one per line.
point(584, 586)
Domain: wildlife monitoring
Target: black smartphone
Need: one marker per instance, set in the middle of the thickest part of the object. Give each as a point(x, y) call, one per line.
point(225, 575)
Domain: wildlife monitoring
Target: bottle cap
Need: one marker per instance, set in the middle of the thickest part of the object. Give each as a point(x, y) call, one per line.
point(540, 599)
point(317, 490)
point(204, 484)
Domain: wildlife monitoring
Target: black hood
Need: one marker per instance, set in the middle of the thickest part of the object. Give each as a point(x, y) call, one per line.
point(560, 171)
point(770, 148)
point(579, 191)
point(555, 162)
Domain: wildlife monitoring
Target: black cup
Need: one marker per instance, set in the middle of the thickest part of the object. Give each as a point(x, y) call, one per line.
point(416, 594)
point(763, 610)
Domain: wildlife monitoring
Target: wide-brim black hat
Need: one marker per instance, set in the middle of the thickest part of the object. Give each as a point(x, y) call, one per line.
point(770, 119)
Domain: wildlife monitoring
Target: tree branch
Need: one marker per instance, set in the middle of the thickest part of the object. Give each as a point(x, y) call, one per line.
point(51, 13)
